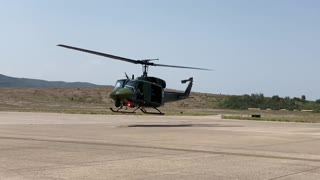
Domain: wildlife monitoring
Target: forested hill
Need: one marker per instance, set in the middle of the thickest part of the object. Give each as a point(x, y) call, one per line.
point(7, 81)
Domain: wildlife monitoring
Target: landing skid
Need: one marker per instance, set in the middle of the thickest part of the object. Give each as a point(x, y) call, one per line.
point(124, 112)
point(156, 113)
point(134, 111)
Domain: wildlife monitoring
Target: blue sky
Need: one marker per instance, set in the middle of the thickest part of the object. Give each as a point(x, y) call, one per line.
point(269, 47)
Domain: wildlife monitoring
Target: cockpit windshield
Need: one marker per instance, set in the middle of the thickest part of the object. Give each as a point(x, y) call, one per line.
point(131, 85)
point(119, 84)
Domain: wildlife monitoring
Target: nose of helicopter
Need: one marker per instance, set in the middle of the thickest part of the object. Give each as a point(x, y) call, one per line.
point(122, 93)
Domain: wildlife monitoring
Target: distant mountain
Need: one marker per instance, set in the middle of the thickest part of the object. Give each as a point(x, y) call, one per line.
point(6, 81)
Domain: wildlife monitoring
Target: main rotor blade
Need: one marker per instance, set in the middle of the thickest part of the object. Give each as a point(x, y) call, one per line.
point(102, 54)
point(143, 62)
point(185, 67)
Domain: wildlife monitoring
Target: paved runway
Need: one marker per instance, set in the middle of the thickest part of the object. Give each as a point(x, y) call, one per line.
point(65, 146)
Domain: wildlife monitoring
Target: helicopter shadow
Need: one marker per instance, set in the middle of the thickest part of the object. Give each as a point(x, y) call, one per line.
point(178, 125)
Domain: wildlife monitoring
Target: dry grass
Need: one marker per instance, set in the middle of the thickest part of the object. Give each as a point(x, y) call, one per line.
point(97, 101)
point(92, 100)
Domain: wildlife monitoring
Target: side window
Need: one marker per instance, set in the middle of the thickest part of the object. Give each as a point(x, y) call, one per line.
point(139, 91)
point(156, 94)
point(140, 87)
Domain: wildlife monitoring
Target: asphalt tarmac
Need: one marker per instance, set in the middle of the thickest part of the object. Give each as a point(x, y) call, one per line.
point(66, 146)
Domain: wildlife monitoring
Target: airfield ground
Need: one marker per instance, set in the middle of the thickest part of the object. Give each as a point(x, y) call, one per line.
point(71, 146)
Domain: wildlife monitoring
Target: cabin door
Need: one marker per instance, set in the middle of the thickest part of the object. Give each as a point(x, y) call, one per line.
point(156, 94)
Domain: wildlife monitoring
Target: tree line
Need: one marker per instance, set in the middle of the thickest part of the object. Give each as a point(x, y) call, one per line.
point(275, 102)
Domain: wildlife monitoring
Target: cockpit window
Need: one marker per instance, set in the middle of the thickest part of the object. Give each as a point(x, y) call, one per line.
point(119, 84)
point(131, 85)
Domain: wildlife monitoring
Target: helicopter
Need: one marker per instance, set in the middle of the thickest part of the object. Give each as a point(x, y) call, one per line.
point(144, 91)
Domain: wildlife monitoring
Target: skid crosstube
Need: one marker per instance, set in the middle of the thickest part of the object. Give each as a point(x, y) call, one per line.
point(134, 111)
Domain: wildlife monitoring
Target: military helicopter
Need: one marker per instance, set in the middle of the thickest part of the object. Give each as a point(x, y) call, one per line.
point(142, 92)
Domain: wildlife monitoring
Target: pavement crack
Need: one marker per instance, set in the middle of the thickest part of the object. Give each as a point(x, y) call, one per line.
point(285, 143)
point(287, 175)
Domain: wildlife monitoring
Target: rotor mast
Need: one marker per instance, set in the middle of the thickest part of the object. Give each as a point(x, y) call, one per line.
point(145, 66)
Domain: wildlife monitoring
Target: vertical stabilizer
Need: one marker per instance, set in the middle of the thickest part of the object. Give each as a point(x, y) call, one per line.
point(188, 90)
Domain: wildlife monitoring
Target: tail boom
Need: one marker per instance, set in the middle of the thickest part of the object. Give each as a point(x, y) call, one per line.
point(170, 96)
